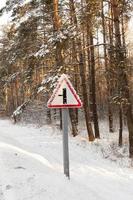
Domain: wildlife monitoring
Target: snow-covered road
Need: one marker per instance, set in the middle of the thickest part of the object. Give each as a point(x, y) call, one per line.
point(31, 168)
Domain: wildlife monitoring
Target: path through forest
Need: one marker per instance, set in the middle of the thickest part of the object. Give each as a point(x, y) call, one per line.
point(31, 167)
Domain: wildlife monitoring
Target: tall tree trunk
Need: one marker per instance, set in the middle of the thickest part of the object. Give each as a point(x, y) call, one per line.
point(57, 27)
point(85, 100)
point(93, 85)
point(59, 58)
point(121, 126)
point(91, 64)
point(122, 76)
point(110, 114)
point(83, 78)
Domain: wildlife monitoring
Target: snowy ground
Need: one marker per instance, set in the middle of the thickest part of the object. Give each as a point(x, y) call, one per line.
point(31, 166)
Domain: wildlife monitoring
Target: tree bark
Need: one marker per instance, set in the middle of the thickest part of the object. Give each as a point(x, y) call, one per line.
point(123, 84)
point(72, 114)
point(110, 114)
point(93, 85)
point(83, 78)
point(121, 126)
point(57, 27)
point(85, 100)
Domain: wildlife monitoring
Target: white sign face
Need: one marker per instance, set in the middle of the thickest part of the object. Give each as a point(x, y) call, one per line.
point(64, 95)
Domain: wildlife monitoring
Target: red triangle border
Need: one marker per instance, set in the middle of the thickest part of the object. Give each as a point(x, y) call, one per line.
point(79, 105)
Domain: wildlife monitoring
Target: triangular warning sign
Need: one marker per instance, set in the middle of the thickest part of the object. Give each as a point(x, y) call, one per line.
point(64, 95)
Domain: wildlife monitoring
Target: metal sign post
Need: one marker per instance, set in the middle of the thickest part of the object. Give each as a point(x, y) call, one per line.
point(65, 114)
point(65, 141)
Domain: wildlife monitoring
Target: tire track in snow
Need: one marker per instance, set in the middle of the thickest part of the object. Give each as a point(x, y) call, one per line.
point(34, 156)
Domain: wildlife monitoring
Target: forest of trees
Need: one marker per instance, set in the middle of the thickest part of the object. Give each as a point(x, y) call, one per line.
point(85, 39)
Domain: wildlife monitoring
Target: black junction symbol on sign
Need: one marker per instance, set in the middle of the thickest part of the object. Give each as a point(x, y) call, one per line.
point(64, 95)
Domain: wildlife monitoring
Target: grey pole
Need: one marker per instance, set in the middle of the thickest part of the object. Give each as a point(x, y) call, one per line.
point(65, 142)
